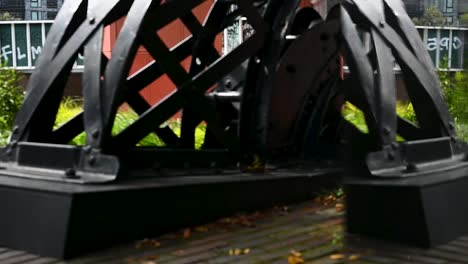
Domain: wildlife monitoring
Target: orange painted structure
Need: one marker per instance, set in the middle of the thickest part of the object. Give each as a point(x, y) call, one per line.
point(171, 35)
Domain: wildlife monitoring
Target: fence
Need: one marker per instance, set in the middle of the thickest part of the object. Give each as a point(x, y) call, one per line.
point(446, 45)
point(21, 43)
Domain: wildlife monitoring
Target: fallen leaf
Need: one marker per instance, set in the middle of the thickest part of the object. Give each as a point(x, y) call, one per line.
point(337, 257)
point(239, 251)
point(147, 243)
point(149, 262)
point(202, 229)
point(295, 258)
point(179, 252)
point(187, 233)
point(354, 257)
point(339, 207)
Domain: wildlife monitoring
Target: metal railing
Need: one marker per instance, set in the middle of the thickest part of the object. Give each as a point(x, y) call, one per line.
point(21, 43)
point(446, 46)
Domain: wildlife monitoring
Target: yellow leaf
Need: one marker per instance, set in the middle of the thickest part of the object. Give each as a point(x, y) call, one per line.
point(295, 260)
point(179, 252)
point(147, 243)
point(337, 257)
point(339, 207)
point(246, 251)
point(237, 252)
point(295, 253)
point(354, 257)
point(231, 252)
point(202, 229)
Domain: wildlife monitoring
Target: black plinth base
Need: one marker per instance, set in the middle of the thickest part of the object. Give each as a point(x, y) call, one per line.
point(63, 220)
point(422, 211)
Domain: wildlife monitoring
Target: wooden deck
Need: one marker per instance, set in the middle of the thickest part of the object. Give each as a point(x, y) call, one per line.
point(314, 231)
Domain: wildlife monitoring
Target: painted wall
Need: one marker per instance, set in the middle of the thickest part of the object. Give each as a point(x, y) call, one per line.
point(171, 35)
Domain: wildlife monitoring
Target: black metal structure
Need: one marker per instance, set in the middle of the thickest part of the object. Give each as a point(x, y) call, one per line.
point(274, 100)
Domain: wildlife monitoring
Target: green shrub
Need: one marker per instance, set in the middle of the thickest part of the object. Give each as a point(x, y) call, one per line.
point(11, 98)
point(406, 111)
point(455, 89)
point(356, 117)
point(70, 108)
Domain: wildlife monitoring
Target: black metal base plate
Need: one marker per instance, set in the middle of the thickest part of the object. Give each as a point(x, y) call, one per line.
point(422, 211)
point(64, 220)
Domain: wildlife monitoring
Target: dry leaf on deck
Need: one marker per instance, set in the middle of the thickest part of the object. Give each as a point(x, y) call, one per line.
point(337, 257)
point(354, 257)
point(187, 233)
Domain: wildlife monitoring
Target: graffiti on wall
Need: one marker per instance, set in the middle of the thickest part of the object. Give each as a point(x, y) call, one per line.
point(444, 43)
point(21, 43)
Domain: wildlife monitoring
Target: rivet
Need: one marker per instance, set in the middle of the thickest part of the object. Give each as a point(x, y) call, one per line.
point(451, 126)
point(382, 23)
point(228, 84)
point(324, 37)
point(411, 167)
point(391, 155)
point(394, 145)
point(92, 160)
point(87, 149)
point(95, 133)
point(291, 69)
point(16, 130)
point(70, 173)
point(92, 20)
point(387, 131)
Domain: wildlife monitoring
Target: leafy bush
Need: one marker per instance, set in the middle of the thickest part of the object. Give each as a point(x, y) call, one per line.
point(432, 17)
point(11, 98)
point(356, 117)
point(455, 88)
point(70, 108)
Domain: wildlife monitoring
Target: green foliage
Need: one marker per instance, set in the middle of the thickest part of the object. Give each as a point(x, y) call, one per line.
point(355, 116)
point(432, 17)
point(464, 20)
point(455, 89)
point(70, 108)
point(6, 16)
point(11, 98)
point(406, 111)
